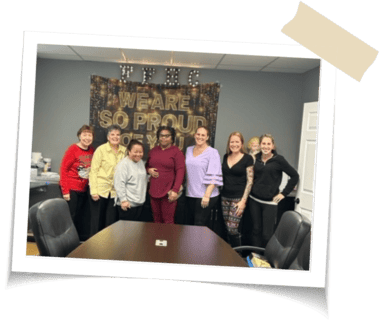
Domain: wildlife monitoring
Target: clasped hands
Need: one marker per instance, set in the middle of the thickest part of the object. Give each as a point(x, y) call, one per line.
point(125, 205)
point(173, 196)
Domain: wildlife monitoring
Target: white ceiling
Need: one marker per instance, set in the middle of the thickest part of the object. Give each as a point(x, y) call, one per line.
point(178, 59)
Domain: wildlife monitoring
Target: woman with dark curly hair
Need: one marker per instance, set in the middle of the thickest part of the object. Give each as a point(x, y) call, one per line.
point(166, 166)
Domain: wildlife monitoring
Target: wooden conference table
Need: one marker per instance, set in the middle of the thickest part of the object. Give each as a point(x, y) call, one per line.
point(136, 241)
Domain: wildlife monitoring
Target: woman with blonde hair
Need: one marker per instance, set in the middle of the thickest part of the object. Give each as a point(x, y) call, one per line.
point(237, 171)
point(253, 146)
point(265, 194)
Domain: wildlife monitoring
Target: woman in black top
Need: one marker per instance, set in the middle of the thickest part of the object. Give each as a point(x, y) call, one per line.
point(265, 194)
point(237, 171)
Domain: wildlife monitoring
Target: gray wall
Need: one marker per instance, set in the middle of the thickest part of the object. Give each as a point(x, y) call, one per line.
point(250, 102)
point(311, 85)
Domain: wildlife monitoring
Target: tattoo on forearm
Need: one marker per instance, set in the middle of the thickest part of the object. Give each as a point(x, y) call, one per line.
point(248, 186)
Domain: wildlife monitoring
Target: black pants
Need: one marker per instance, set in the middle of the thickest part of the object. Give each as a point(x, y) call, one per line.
point(133, 213)
point(77, 203)
point(263, 222)
point(103, 213)
point(198, 215)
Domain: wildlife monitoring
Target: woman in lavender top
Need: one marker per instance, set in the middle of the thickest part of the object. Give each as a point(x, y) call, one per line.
point(204, 176)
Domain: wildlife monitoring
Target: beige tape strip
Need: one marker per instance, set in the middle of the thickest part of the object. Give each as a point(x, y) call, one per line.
point(330, 42)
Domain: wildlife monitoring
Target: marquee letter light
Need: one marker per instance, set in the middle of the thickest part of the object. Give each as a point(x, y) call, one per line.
point(152, 139)
point(105, 117)
point(139, 119)
point(154, 120)
point(172, 76)
point(125, 71)
point(191, 73)
point(138, 137)
point(121, 115)
point(147, 74)
point(125, 138)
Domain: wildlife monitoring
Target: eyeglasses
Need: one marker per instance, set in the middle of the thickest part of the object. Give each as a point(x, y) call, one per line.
point(165, 135)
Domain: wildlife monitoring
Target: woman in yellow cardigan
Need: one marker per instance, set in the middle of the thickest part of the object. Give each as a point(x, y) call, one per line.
point(103, 193)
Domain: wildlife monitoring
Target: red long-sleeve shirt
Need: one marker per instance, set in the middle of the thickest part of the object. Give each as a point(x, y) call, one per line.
point(170, 164)
point(74, 169)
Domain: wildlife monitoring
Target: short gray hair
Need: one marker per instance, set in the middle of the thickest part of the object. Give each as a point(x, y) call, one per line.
point(113, 127)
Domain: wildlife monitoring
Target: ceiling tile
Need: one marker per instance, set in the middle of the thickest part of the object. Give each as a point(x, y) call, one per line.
point(99, 52)
point(150, 57)
point(240, 67)
point(240, 60)
point(196, 60)
point(178, 59)
point(285, 70)
point(284, 62)
point(58, 56)
point(54, 49)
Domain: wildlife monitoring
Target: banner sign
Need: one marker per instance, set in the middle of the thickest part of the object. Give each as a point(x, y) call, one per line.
point(139, 109)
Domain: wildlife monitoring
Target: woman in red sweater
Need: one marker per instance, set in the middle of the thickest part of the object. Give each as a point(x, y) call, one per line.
point(166, 166)
point(74, 171)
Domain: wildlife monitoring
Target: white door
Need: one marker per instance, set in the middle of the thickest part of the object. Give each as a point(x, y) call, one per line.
point(307, 155)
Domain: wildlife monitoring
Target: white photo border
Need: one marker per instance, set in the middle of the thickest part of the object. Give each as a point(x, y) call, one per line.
point(316, 277)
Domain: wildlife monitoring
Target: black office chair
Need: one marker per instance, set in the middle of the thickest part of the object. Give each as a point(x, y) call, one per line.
point(32, 212)
point(284, 245)
point(301, 261)
point(53, 228)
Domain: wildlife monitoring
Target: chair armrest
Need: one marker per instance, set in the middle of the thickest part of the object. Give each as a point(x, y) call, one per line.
point(255, 249)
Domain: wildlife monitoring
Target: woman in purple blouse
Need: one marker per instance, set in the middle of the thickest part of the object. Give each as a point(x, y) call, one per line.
point(204, 176)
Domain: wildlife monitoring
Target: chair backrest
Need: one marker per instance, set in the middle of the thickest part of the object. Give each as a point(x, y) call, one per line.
point(53, 228)
point(32, 213)
point(301, 262)
point(285, 243)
